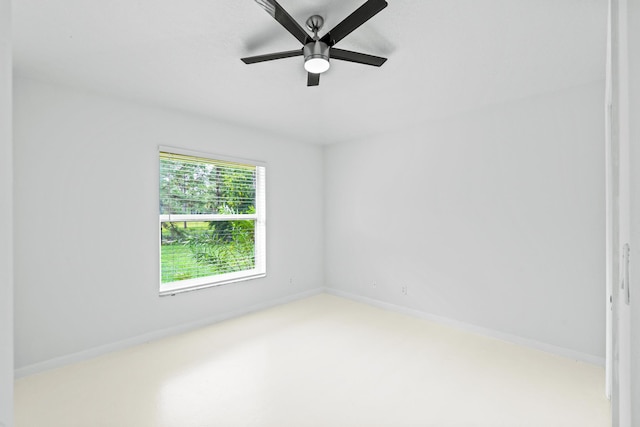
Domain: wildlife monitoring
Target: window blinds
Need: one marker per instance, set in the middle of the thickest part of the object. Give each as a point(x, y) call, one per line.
point(212, 221)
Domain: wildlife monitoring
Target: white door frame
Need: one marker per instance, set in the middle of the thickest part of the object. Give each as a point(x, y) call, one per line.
point(618, 208)
point(611, 207)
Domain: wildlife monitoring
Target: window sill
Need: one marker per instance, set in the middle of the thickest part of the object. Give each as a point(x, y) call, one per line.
point(173, 288)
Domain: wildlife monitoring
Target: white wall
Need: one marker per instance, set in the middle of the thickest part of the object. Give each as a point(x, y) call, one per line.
point(494, 218)
point(86, 238)
point(6, 225)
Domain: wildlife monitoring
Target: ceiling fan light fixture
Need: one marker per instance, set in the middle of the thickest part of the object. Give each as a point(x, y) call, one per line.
point(316, 57)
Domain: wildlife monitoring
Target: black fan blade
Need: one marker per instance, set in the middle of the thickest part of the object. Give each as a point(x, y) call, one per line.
point(313, 79)
point(272, 56)
point(353, 21)
point(274, 9)
point(360, 58)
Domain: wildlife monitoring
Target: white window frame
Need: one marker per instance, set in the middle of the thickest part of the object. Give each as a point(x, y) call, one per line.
point(260, 269)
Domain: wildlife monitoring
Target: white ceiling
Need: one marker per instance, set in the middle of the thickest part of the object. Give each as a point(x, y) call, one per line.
point(445, 57)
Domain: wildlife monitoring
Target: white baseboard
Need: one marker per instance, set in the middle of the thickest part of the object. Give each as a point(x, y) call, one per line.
point(155, 335)
point(525, 342)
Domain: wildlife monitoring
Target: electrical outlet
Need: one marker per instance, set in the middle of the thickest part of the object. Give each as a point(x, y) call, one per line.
point(405, 291)
point(291, 280)
point(374, 284)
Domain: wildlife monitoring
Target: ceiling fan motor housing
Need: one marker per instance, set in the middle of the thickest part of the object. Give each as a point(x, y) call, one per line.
point(316, 51)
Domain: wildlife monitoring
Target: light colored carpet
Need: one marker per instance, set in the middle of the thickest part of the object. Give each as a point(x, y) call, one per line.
point(322, 361)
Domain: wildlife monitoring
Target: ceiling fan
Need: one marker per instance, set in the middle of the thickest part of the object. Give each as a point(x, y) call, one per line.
point(316, 50)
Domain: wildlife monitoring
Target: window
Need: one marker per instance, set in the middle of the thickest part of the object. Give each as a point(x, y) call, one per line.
point(212, 221)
